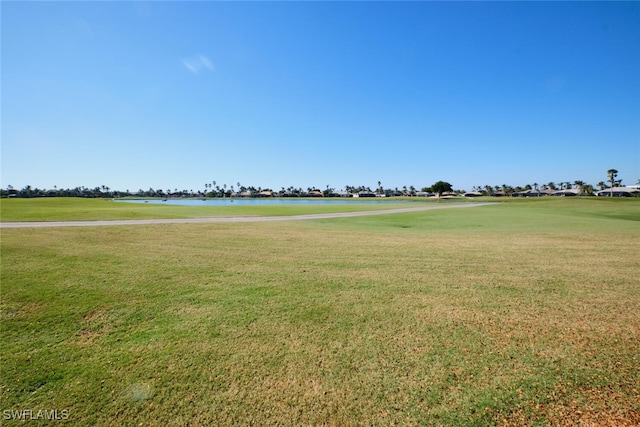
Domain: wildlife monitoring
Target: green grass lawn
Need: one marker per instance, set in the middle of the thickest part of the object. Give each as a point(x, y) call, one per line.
point(80, 209)
point(519, 313)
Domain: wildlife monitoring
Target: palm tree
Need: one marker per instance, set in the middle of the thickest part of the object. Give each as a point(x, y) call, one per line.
point(602, 185)
point(612, 178)
point(580, 185)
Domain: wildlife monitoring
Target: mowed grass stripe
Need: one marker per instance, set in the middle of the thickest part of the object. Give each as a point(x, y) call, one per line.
point(508, 314)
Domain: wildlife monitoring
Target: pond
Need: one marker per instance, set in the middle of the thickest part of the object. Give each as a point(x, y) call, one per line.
point(264, 201)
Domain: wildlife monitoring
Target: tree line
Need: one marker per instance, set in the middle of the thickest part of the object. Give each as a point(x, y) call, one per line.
point(581, 186)
point(214, 189)
point(210, 191)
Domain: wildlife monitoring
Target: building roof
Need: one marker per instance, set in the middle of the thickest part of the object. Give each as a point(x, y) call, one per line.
point(619, 190)
point(567, 192)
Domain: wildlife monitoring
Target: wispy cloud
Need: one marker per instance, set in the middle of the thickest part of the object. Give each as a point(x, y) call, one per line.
point(84, 26)
point(198, 64)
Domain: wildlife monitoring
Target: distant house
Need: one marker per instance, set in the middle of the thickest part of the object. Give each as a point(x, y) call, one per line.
point(339, 194)
point(424, 194)
point(365, 194)
point(472, 194)
point(265, 193)
point(566, 193)
point(619, 192)
point(530, 193)
point(315, 193)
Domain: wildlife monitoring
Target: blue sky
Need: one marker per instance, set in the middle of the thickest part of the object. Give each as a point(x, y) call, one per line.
point(178, 94)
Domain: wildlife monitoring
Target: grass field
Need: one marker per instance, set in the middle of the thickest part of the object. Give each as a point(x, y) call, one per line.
point(519, 313)
point(78, 209)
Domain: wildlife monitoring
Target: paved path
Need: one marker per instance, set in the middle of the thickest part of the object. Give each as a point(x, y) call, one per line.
point(230, 219)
